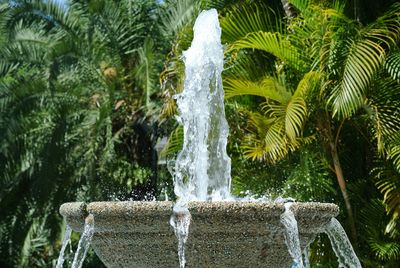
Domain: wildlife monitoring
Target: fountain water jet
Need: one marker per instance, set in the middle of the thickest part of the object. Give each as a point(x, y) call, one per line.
point(223, 233)
point(202, 170)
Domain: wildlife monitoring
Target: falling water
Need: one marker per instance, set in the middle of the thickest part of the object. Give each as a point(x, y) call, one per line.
point(84, 242)
point(292, 235)
point(341, 245)
point(180, 220)
point(202, 168)
point(66, 240)
point(306, 254)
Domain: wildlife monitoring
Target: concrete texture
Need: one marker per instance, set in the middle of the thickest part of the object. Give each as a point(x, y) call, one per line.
point(221, 234)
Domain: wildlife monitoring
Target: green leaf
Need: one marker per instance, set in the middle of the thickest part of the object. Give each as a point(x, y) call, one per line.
point(174, 143)
point(245, 18)
point(274, 43)
point(296, 112)
point(392, 65)
point(362, 63)
point(268, 87)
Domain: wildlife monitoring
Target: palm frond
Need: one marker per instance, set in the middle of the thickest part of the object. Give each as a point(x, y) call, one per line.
point(308, 84)
point(6, 67)
point(301, 5)
point(269, 88)
point(35, 240)
point(394, 152)
point(392, 65)
point(119, 32)
point(260, 123)
point(387, 178)
point(247, 66)
point(295, 115)
point(291, 111)
point(177, 14)
point(268, 139)
point(52, 12)
point(385, 251)
point(174, 143)
point(310, 179)
point(373, 218)
point(245, 18)
point(386, 29)
point(269, 147)
point(383, 106)
point(146, 70)
point(389, 186)
point(364, 59)
point(63, 136)
point(274, 43)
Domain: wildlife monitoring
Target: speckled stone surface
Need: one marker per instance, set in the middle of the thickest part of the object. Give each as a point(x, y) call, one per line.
point(222, 234)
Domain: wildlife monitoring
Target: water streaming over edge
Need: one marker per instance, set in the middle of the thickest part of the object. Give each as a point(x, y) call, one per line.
point(84, 242)
point(306, 256)
point(341, 245)
point(180, 221)
point(202, 169)
point(292, 235)
point(65, 242)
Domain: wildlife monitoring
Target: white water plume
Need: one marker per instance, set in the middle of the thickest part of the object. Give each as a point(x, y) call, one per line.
point(292, 235)
point(341, 245)
point(202, 169)
point(84, 242)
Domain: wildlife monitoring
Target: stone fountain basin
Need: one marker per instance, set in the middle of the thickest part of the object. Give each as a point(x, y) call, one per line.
point(221, 234)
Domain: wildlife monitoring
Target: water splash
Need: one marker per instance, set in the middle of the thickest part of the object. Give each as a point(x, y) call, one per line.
point(341, 245)
point(84, 242)
point(292, 235)
point(180, 220)
point(202, 169)
point(65, 242)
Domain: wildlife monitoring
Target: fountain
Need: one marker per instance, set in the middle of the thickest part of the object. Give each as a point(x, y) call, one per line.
point(208, 227)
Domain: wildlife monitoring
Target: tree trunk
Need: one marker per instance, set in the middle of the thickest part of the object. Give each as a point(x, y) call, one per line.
point(342, 185)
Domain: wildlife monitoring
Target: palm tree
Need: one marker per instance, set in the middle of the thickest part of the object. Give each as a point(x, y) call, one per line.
point(77, 89)
point(326, 73)
point(320, 82)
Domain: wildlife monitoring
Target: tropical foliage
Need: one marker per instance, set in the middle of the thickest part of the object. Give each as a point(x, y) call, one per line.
point(315, 97)
point(312, 93)
point(331, 73)
point(78, 114)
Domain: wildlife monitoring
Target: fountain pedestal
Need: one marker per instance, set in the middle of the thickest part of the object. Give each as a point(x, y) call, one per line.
point(222, 234)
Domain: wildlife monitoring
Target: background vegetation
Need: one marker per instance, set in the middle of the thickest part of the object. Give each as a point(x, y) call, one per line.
point(312, 98)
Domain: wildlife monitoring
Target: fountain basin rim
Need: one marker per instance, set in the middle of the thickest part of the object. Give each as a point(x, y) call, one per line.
point(76, 212)
point(138, 233)
point(112, 207)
